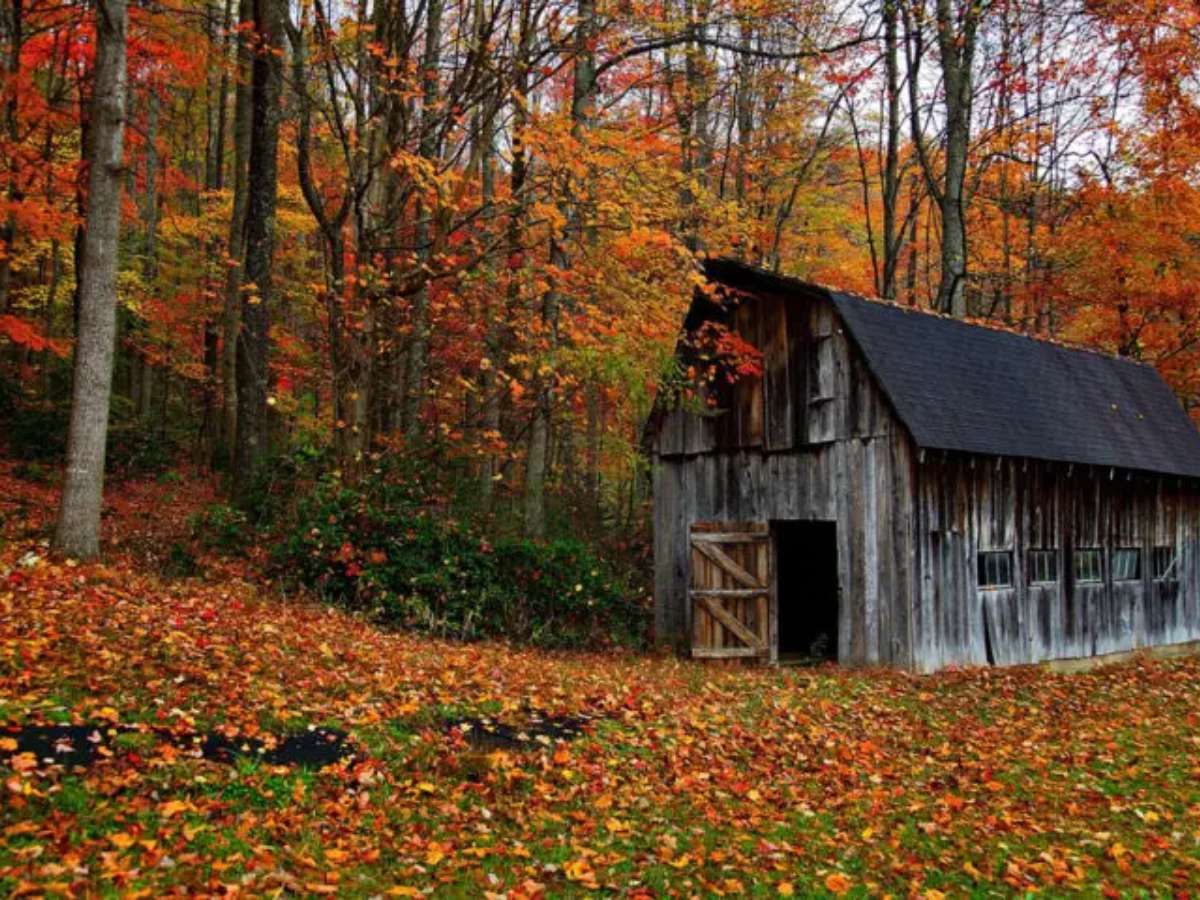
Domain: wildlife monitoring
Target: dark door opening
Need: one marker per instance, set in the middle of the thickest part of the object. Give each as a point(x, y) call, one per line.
point(806, 585)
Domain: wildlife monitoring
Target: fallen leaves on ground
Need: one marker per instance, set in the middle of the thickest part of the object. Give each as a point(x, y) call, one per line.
point(690, 779)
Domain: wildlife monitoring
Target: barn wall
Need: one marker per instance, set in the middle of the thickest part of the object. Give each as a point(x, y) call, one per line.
point(967, 505)
point(826, 447)
point(814, 438)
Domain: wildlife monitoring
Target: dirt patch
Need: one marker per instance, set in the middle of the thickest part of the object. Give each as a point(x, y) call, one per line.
point(82, 745)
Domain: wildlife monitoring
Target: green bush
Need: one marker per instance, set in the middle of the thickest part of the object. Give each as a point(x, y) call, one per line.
point(38, 434)
point(221, 527)
point(379, 549)
point(281, 481)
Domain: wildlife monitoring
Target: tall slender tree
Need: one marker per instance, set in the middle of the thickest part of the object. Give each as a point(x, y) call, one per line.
point(956, 23)
point(78, 531)
point(231, 319)
point(253, 376)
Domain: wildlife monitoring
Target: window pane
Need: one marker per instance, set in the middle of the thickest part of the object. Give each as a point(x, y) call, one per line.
point(1127, 564)
point(1164, 564)
point(1088, 564)
point(1043, 566)
point(995, 568)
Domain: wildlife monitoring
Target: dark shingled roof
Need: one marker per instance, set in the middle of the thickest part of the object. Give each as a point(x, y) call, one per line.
point(964, 387)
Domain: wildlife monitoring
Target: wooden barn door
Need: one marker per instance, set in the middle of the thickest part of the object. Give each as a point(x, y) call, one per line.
point(730, 592)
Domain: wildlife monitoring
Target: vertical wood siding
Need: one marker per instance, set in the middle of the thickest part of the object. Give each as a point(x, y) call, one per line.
point(828, 449)
point(968, 505)
point(815, 438)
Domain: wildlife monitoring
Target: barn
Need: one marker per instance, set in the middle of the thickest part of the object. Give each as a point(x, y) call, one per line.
point(892, 487)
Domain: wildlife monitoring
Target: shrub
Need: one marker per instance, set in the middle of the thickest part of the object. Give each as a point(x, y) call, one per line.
point(221, 527)
point(38, 434)
point(381, 550)
point(281, 481)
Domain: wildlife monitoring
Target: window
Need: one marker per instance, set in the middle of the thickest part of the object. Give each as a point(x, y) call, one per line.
point(995, 569)
point(1127, 564)
point(1089, 564)
point(1043, 566)
point(1163, 564)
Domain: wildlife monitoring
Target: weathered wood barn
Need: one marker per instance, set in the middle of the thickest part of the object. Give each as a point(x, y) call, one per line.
point(905, 489)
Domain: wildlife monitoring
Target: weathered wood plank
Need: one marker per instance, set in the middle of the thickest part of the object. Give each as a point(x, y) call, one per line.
point(725, 652)
point(731, 623)
point(733, 537)
point(727, 564)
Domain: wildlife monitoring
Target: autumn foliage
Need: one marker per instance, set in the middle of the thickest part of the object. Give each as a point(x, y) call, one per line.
point(485, 226)
point(488, 260)
point(686, 779)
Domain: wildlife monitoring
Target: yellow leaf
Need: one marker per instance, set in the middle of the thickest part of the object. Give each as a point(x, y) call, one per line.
point(578, 870)
point(785, 889)
point(426, 787)
point(8, 744)
point(172, 808)
point(121, 840)
point(434, 856)
point(402, 891)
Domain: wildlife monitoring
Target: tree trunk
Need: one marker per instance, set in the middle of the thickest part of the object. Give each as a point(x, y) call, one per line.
point(419, 344)
point(956, 40)
point(78, 530)
point(892, 236)
point(956, 47)
point(252, 375)
point(231, 318)
point(14, 37)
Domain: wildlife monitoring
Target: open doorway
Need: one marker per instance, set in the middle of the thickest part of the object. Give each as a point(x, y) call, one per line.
point(806, 590)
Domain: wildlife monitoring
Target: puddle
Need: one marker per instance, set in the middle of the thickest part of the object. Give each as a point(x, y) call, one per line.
point(60, 745)
point(485, 733)
point(81, 745)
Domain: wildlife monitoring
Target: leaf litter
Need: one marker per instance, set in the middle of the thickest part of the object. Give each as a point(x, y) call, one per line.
point(642, 775)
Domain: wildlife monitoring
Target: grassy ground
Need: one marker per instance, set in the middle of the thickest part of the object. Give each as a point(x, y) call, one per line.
point(693, 780)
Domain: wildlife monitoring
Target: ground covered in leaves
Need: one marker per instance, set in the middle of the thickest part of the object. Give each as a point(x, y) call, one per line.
point(667, 777)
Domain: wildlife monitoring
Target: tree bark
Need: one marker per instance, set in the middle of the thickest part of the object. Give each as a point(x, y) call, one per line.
point(231, 320)
point(14, 36)
point(253, 375)
point(418, 346)
point(892, 236)
point(956, 41)
point(78, 530)
point(346, 353)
